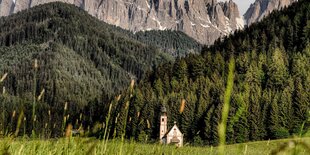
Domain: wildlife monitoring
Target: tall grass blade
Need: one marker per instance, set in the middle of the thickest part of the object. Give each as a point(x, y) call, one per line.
point(19, 122)
point(34, 95)
point(225, 111)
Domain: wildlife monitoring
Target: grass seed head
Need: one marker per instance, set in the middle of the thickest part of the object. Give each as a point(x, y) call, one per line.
point(35, 63)
point(41, 94)
point(118, 97)
point(3, 77)
point(127, 105)
point(14, 113)
point(132, 84)
point(66, 106)
point(68, 131)
point(182, 106)
point(116, 120)
point(148, 124)
point(3, 90)
point(110, 108)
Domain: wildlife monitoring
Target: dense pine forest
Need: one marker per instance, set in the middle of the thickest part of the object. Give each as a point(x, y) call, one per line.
point(60, 53)
point(175, 43)
point(80, 62)
point(271, 93)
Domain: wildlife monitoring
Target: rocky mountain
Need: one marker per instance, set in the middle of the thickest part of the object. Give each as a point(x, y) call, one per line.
point(261, 8)
point(204, 20)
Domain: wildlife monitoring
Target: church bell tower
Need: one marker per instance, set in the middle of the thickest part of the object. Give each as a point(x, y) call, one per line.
point(163, 125)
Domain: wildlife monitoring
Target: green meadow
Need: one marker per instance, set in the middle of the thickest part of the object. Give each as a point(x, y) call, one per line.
point(75, 146)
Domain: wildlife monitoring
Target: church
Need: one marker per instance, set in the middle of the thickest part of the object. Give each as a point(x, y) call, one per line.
point(174, 135)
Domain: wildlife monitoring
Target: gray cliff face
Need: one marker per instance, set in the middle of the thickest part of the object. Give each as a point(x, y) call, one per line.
point(204, 20)
point(261, 8)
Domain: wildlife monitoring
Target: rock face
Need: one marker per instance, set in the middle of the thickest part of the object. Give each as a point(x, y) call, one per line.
point(204, 20)
point(261, 8)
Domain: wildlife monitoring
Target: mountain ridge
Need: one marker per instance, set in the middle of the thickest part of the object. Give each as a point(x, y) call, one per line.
point(203, 20)
point(262, 8)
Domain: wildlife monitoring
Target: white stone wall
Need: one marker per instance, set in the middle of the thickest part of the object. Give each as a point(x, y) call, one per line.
point(175, 132)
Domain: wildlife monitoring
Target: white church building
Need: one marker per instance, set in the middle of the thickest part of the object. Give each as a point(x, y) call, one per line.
point(172, 136)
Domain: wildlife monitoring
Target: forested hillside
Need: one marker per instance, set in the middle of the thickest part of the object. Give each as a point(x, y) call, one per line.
point(79, 64)
point(79, 60)
point(271, 93)
point(175, 43)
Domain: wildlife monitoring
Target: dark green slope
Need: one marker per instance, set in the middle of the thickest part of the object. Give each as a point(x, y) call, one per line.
point(79, 50)
point(271, 93)
point(81, 60)
point(115, 55)
point(175, 43)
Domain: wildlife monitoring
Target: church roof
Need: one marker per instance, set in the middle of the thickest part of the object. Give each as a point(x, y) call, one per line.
point(175, 125)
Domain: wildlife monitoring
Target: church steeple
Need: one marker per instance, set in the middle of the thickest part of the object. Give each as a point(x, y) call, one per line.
point(163, 124)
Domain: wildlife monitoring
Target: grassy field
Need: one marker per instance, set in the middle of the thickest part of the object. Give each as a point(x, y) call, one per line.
point(92, 146)
point(79, 146)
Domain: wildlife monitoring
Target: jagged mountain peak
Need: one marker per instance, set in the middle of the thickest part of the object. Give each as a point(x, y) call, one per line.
point(261, 8)
point(204, 20)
